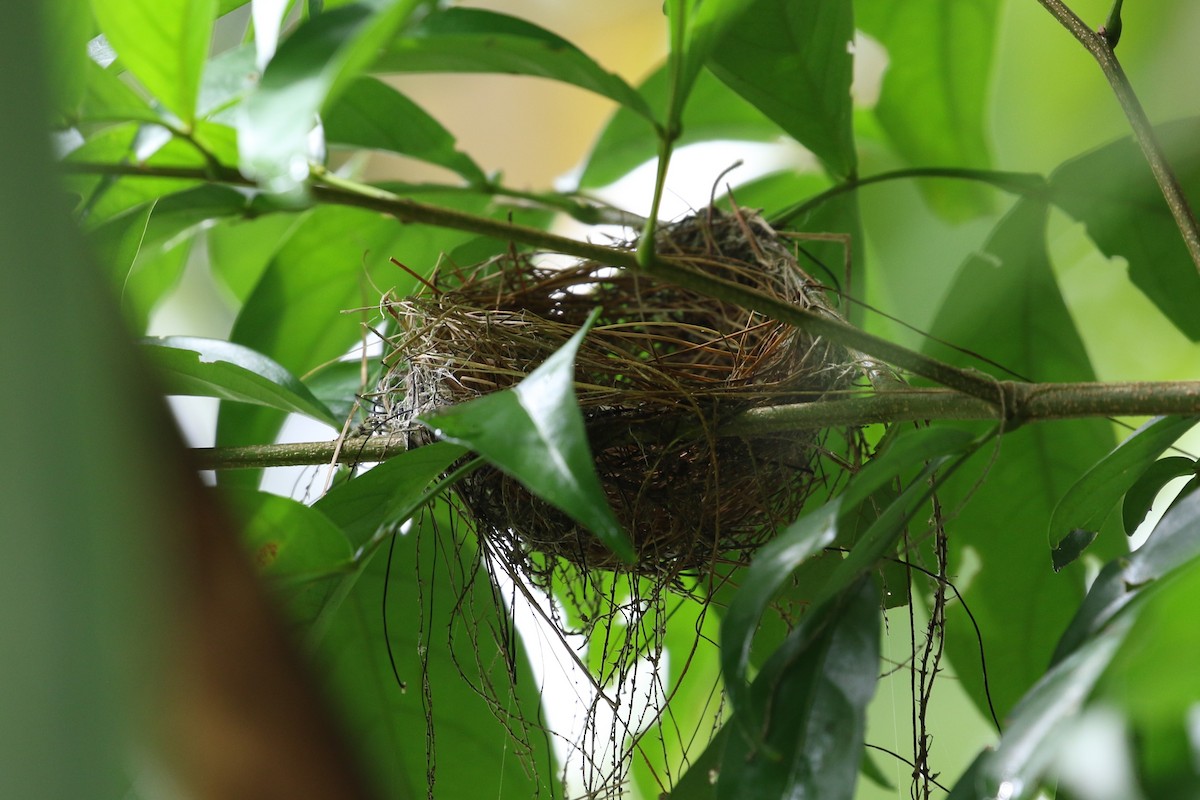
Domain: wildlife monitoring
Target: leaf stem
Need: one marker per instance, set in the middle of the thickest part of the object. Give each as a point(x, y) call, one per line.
point(1027, 402)
point(1098, 44)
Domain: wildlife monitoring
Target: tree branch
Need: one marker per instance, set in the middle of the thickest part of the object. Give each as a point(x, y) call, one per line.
point(1098, 44)
point(668, 269)
point(1024, 402)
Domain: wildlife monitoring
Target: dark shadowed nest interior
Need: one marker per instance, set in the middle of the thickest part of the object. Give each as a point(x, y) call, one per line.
point(660, 371)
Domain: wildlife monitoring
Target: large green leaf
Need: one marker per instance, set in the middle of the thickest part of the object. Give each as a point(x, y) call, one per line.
point(816, 702)
point(69, 25)
point(791, 60)
point(444, 625)
point(1089, 501)
point(1034, 729)
point(388, 493)
point(291, 544)
point(309, 71)
point(714, 112)
point(190, 365)
point(337, 259)
point(475, 40)
point(162, 42)
point(373, 115)
point(702, 25)
point(107, 98)
point(934, 97)
point(239, 250)
point(104, 197)
point(1172, 544)
point(1153, 681)
point(1112, 192)
point(799, 542)
point(1005, 305)
point(535, 433)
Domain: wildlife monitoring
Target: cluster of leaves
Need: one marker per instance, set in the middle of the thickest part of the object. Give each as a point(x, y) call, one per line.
point(170, 140)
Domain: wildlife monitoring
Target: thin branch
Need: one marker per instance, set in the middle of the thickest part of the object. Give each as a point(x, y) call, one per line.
point(665, 268)
point(1026, 402)
point(1098, 44)
point(1026, 184)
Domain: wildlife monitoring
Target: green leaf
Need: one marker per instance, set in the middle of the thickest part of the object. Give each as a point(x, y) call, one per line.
point(369, 114)
point(190, 365)
point(340, 384)
point(1005, 305)
point(239, 250)
point(228, 77)
point(116, 243)
point(772, 565)
point(107, 98)
point(1152, 680)
point(934, 98)
point(1089, 501)
point(290, 544)
point(444, 627)
point(715, 112)
point(106, 196)
point(778, 559)
point(1172, 545)
point(163, 43)
point(791, 60)
point(69, 24)
point(1145, 489)
point(388, 493)
point(310, 69)
point(336, 259)
point(1112, 192)
point(1034, 727)
point(475, 40)
point(534, 432)
point(817, 699)
point(704, 24)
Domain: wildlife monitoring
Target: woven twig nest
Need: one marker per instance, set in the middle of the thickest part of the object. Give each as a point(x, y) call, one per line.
point(656, 376)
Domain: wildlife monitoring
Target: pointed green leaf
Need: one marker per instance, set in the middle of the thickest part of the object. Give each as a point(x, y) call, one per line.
point(817, 703)
point(309, 71)
point(1112, 192)
point(1027, 746)
point(792, 61)
point(934, 98)
point(107, 98)
point(388, 493)
point(475, 40)
point(1005, 304)
point(1173, 544)
point(534, 432)
point(190, 365)
point(290, 543)
point(69, 23)
point(1092, 498)
point(1145, 489)
point(163, 43)
point(801, 540)
point(239, 250)
point(373, 115)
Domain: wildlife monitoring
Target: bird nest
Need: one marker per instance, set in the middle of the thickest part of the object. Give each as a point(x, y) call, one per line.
point(661, 371)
